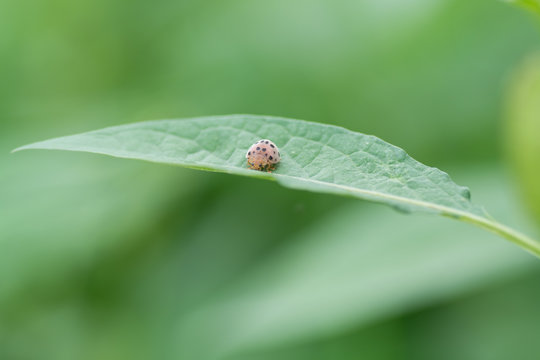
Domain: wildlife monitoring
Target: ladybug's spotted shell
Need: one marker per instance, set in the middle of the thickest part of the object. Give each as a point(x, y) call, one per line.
point(263, 155)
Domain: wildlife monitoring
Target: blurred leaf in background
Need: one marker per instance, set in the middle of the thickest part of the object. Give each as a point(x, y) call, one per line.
point(523, 129)
point(110, 259)
point(532, 5)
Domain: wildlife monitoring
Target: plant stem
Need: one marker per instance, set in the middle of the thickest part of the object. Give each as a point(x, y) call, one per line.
point(520, 239)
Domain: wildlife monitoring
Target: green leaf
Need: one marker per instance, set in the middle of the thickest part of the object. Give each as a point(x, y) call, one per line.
point(315, 157)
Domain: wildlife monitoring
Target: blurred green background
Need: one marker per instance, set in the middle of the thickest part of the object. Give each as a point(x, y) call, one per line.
point(105, 258)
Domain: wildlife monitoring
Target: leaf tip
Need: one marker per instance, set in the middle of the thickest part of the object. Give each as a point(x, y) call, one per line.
point(21, 148)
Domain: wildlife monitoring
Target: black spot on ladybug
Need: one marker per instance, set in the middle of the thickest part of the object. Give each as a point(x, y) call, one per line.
point(249, 153)
point(266, 142)
point(264, 149)
point(258, 148)
point(270, 157)
point(272, 145)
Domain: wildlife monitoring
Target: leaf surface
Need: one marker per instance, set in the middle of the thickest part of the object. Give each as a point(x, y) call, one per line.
point(315, 157)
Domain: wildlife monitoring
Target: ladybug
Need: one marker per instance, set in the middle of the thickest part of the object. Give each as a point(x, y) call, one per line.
point(263, 155)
